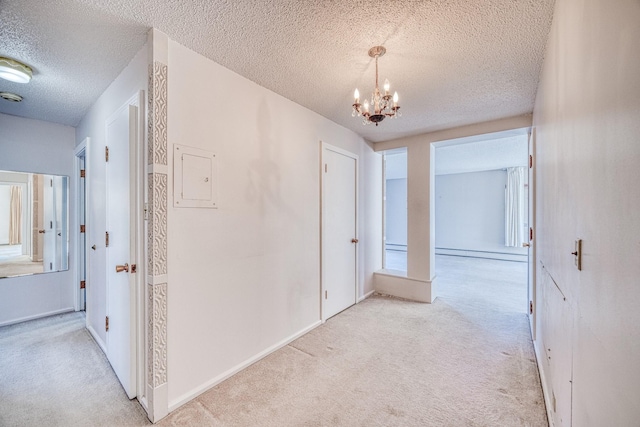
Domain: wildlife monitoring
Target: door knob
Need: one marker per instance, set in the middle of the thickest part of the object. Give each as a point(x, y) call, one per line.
point(354, 240)
point(120, 268)
point(41, 231)
point(93, 247)
point(526, 245)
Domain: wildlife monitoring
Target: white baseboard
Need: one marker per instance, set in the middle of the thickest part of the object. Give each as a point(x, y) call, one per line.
point(36, 316)
point(97, 339)
point(217, 380)
point(545, 391)
point(158, 406)
point(467, 253)
point(365, 296)
point(401, 286)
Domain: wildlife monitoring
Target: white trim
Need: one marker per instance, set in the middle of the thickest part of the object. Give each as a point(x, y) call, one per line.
point(76, 236)
point(138, 187)
point(36, 316)
point(545, 391)
point(531, 222)
point(324, 146)
point(97, 339)
point(217, 380)
point(365, 296)
point(472, 253)
point(404, 287)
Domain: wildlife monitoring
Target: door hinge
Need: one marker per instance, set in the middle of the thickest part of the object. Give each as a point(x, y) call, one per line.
point(530, 234)
point(134, 268)
point(106, 323)
point(83, 284)
point(530, 161)
point(106, 154)
point(530, 307)
point(50, 183)
point(106, 238)
point(82, 228)
point(146, 211)
point(325, 168)
point(326, 294)
point(82, 173)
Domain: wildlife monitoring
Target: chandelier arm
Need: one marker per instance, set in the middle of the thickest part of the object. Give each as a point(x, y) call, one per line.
point(380, 103)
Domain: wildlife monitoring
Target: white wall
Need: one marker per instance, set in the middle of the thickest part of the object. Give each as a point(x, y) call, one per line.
point(587, 118)
point(246, 276)
point(93, 125)
point(29, 145)
point(470, 209)
point(5, 213)
point(396, 213)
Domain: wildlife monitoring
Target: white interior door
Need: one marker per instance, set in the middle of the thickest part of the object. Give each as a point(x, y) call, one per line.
point(95, 226)
point(530, 236)
point(121, 348)
point(339, 238)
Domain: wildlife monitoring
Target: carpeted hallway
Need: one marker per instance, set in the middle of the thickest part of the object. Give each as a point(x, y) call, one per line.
point(466, 360)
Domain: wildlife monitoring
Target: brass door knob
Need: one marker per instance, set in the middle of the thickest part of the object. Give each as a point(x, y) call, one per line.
point(120, 268)
point(354, 240)
point(526, 245)
point(41, 231)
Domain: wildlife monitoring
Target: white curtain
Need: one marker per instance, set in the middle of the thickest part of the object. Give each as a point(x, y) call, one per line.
point(514, 207)
point(15, 216)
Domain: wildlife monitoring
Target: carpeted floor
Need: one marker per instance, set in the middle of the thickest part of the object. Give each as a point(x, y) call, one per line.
point(19, 266)
point(52, 373)
point(466, 360)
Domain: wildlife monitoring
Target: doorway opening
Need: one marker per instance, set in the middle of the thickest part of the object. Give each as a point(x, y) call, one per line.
point(481, 220)
point(395, 210)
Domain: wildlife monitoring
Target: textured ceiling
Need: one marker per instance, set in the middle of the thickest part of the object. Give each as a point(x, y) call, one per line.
point(453, 62)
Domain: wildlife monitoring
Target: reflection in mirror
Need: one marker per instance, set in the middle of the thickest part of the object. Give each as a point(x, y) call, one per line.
point(34, 223)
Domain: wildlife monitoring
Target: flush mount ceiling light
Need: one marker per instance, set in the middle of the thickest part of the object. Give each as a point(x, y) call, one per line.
point(10, 96)
point(381, 104)
point(14, 71)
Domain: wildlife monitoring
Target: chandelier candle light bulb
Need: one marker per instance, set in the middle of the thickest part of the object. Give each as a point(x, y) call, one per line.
point(380, 103)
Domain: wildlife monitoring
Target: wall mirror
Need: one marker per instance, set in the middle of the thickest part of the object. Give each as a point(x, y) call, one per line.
point(34, 223)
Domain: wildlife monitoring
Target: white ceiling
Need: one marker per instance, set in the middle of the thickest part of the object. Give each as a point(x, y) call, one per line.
point(482, 155)
point(453, 62)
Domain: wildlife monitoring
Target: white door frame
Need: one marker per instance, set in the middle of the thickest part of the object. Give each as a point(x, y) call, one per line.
point(531, 253)
point(81, 151)
point(323, 147)
point(137, 159)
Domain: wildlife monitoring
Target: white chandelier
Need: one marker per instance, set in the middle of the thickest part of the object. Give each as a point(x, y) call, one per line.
point(381, 104)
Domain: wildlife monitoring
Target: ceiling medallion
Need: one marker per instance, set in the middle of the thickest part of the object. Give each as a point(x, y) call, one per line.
point(15, 71)
point(381, 104)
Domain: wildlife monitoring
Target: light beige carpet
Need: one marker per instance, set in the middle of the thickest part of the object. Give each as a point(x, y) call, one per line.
point(19, 266)
point(52, 373)
point(466, 360)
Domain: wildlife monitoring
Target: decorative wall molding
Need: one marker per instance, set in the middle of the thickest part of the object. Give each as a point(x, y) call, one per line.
point(157, 227)
point(157, 347)
point(157, 182)
point(157, 127)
